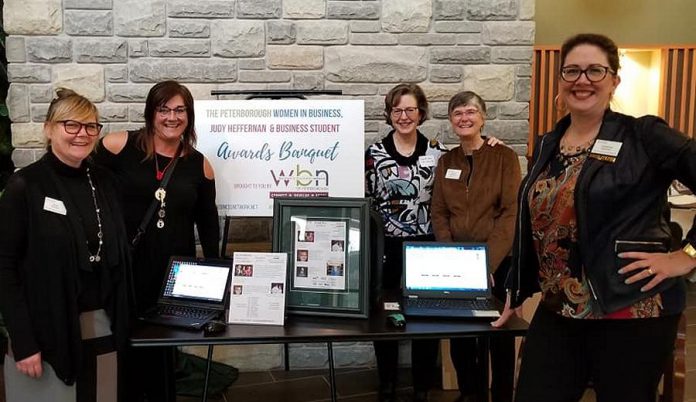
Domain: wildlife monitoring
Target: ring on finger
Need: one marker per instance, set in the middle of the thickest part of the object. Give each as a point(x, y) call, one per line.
point(650, 271)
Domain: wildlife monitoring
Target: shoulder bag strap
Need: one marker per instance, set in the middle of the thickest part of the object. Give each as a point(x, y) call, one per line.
point(155, 202)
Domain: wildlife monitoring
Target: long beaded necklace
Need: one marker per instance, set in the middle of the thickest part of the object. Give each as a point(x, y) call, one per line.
point(96, 257)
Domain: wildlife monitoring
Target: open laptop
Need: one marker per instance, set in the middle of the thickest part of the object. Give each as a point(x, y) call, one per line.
point(194, 292)
point(447, 280)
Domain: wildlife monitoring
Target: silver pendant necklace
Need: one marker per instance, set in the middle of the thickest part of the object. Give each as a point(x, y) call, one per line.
point(96, 257)
point(160, 194)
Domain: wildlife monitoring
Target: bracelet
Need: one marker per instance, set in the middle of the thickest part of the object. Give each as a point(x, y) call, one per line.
point(690, 250)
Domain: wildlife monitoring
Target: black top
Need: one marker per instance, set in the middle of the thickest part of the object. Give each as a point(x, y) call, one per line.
point(46, 278)
point(77, 186)
point(190, 200)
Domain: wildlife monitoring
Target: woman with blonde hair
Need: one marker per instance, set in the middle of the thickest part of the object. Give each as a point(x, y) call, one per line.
point(63, 266)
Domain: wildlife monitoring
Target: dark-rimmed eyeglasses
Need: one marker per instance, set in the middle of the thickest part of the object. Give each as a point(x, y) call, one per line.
point(74, 127)
point(594, 73)
point(411, 112)
point(165, 111)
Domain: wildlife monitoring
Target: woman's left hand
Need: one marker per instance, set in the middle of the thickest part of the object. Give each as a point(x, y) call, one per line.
point(492, 141)
point(659, 266)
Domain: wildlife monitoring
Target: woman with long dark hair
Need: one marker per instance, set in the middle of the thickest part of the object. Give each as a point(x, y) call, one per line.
point(140, 160)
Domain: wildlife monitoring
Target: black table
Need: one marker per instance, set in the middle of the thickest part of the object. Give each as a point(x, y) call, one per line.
point(306, 329)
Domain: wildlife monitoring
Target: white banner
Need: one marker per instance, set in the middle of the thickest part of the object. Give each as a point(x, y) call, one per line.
point(262, 149)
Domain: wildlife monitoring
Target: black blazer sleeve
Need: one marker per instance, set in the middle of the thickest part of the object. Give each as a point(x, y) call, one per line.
point(13, 245)
point(672, 152)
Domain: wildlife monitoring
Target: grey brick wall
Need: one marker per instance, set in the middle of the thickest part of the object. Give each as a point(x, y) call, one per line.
point(114, 50)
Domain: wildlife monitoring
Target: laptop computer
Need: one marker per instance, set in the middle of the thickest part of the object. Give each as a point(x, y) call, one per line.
point(194, 292)
point(447, 280)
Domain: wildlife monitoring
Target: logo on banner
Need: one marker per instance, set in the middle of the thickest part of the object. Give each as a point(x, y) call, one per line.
point(301, 177)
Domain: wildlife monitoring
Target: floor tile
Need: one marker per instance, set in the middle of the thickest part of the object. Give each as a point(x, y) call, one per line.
point(691, 358)
point(357, 382)
point(300, 390)
point(690, 315)
point(280, 375)
point(251, 378)
point(197, 399)
point(690, 388)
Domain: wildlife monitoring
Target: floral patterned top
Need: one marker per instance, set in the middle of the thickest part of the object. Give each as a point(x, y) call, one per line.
point(554, 230)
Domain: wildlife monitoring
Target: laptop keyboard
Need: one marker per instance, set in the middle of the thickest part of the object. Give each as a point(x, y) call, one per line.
point(181, 311)
point(451, 304)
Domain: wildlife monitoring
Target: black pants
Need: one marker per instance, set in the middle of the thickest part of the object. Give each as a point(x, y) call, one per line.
point(424, 351)
point(150, 374)
point(624, 359)
point(423, 362)
point(472, 374)
point(468, 356)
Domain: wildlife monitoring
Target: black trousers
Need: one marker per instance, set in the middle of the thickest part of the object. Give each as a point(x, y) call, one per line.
point(423, 362)
point(468, 356)
point(423, 351)
point(472, 374)
point(624, 359)
point(150, 374)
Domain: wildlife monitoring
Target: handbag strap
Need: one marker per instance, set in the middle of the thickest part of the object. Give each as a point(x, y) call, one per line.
point(153, 206)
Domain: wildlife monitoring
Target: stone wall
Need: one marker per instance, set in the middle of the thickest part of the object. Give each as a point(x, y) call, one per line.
point(114, 50)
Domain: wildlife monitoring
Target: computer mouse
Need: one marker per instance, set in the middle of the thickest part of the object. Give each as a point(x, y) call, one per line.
point(396, 320)
point(214, 327)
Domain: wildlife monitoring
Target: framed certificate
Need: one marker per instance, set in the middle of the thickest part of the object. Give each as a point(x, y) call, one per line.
point(327, 242)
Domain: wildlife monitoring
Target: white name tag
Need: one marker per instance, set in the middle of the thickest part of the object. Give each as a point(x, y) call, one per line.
point(453, 174)
point(606, 148)
point(426, 161)
point(55, 206)
point(391, 306)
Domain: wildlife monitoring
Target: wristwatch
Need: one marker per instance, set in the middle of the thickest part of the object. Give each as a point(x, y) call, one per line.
point(690, 250)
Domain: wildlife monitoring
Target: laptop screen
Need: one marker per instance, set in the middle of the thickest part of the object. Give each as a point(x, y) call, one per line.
point(197, 280)
point(445, 267)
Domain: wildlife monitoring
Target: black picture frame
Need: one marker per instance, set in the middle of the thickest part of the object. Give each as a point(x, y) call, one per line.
point(349, 300)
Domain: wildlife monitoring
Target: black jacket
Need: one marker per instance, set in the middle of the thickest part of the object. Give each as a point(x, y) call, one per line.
point(623, 200)
point(40, 255)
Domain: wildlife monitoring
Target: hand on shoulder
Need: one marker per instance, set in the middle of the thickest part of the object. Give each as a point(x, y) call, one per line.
point(115, 142)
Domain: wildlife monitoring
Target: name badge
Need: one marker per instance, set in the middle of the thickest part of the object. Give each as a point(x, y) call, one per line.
point(426, 161)
point(55, 206)
point(605, 150)
point(453, 174)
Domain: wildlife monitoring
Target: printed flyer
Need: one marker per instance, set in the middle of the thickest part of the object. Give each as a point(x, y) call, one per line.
point(257, 290)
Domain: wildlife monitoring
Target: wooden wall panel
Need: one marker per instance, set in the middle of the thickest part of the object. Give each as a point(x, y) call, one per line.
point(543, 111)
point(678, 96)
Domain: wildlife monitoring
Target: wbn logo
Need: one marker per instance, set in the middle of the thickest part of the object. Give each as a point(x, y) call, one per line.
point(301, 177)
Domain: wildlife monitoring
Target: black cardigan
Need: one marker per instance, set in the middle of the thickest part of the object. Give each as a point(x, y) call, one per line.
point(40, 255)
